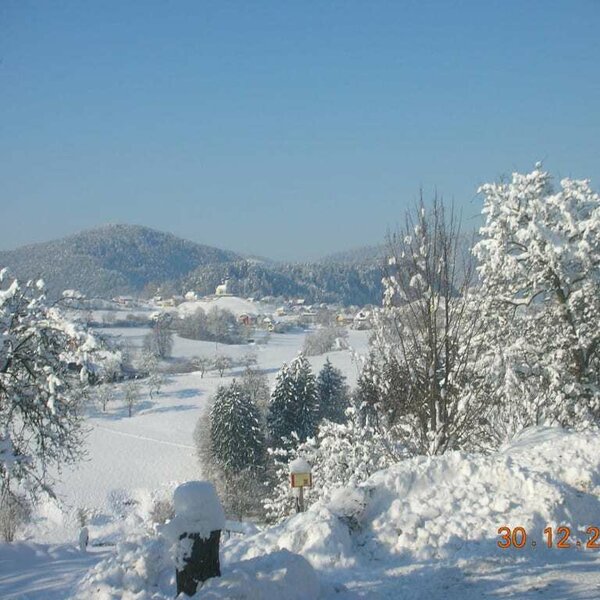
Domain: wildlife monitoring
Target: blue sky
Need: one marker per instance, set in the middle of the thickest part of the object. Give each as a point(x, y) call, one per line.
point(286, 129)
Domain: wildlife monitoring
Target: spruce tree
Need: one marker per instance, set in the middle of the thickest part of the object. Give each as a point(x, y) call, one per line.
point(333, 394)
point(294, 405)
point(281, 418)
point(305, 397)
point(367, 393)
point(237, 440)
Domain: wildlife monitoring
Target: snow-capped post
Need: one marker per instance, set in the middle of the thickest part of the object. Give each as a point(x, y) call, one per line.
point(196, 533)
point(300, 477)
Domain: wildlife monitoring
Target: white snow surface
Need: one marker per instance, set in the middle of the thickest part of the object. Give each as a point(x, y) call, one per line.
point(433, 521)
point(299, 465)
point(238, 306)
point(279, 574)
point(197, 510)
point(425, 528)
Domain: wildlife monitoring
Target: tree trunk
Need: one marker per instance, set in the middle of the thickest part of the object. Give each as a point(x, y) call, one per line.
point(202, 563)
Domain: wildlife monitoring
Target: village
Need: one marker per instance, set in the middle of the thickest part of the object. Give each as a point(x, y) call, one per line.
point(267, 314)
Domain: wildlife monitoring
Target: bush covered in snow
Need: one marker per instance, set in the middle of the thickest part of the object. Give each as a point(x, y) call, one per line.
point(449, 506)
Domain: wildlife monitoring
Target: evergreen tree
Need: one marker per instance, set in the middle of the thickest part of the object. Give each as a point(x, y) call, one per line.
point(281, 417)
point(367, 393)
point(333, 393)
point(294, 406)
point(237, 440)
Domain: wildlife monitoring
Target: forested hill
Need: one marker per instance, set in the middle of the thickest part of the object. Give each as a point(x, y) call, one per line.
point(111, 260)
point(315, 282)
point(364, 255)
point(129, 259)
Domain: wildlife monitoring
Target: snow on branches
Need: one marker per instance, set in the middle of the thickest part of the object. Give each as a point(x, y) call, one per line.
point(45, 363)
point(539, 262)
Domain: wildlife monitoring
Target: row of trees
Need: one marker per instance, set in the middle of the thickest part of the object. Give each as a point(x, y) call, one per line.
point(235, 438)
point(460, 362)
point(216, 325)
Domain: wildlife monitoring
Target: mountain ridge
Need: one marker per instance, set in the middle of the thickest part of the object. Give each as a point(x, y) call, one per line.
point(118, 259)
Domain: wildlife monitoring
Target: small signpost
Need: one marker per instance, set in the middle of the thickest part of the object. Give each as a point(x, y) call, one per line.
point(300, 477)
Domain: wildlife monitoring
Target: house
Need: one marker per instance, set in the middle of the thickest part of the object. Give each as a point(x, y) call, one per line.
point(280, 312)
point(222, 289)
point(191, 296)
point(362, 320)
point(343, 319)
point(124, 300)
point(168, 302)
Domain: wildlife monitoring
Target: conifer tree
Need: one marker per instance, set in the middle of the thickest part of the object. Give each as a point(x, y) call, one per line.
point(367, 393)
point(237, 440)
point(294, 406)
point(280, 419)
point(333, 393)
point(305, 397)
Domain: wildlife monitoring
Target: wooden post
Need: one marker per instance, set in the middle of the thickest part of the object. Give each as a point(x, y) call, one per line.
point(201, 564)
point(301, 499)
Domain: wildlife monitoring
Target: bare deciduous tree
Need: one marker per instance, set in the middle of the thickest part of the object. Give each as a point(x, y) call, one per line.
point(427, 332)
point(202, 364)
point(222, 363)
point(131, 395)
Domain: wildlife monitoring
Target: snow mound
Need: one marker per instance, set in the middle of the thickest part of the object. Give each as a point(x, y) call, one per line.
point(450, 506)
point(319, 535)
point(276, 575)
point(141, 568)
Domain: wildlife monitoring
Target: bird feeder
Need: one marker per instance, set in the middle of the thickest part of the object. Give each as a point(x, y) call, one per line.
point(300, 477)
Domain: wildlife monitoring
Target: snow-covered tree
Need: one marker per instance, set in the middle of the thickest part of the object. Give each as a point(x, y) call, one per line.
point(104, 394)
point(154, 379)
point(160, 339)
point(202, 363)
point(332, 393)
point(426, 334)
point(131, 395)
point(294, 405)
point(231, 448)
point(256, 385)
point(539, 262)
point(44, 365)
point(366, 396)
point(340, 455)
point(222, 363)
point(237, 440)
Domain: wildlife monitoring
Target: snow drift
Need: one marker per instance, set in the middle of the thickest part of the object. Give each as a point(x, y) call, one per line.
point(449, 506)
point(425, 510)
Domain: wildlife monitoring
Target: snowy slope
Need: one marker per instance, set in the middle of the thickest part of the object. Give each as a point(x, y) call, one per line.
point(434, 523)
point(425, 528)
point(154, 449)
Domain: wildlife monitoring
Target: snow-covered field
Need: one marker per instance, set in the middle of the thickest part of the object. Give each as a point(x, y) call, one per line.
point(426, 528)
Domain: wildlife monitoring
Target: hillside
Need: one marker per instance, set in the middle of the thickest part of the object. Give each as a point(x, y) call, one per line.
point(332, 282)
point(110, 260)
point(364, 255)
point(124, 259)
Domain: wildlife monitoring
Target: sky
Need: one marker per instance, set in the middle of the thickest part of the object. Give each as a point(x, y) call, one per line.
point(284, 129)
